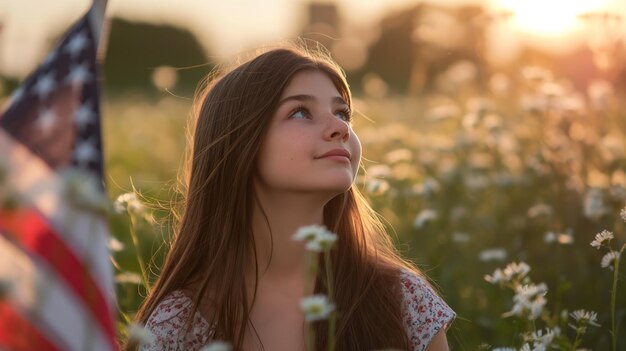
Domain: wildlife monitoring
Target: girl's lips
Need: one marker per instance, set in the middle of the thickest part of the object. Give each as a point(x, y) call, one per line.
point(337, 152)
point(336, 158)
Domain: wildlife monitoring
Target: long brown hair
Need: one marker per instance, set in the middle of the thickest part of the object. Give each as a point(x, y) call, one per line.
point(214, 234)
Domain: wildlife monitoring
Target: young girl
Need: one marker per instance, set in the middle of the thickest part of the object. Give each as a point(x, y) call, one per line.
point(273, 150)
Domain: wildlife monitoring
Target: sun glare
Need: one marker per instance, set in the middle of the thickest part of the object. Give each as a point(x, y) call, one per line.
point(549, 17)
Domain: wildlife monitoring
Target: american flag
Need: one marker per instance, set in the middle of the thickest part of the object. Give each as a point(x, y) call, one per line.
point(56, 283)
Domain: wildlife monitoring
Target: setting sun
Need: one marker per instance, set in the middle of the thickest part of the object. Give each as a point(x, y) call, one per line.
point(549, 18)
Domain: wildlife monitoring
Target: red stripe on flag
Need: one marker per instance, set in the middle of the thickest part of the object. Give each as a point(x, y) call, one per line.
point(16, 333)
point(29, 229)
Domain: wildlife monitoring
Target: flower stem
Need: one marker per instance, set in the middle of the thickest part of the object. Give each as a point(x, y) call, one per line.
point(614, 330)
point(329, 273)
point(142, 266)
point(309, 290)
point(333, 316)
point(613, 294)
point(311, 274)
point(576, 340)
point(310, 338)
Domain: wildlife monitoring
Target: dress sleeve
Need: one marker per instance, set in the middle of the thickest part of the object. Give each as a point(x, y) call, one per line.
point(424, 312)
point(167, 325)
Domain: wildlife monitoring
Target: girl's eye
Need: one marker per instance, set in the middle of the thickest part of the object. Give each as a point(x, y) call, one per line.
point(299, 112)
point(345, 114)
point(302, 112)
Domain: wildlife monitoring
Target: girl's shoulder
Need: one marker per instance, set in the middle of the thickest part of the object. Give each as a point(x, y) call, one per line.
point(167, 323)
point(423, 311)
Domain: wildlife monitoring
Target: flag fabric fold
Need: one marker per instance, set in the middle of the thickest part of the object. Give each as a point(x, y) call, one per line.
point(56, 281)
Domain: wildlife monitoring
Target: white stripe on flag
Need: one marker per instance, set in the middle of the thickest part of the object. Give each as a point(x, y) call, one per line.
point(96, 19)
point(42, 299)
point(85, 233)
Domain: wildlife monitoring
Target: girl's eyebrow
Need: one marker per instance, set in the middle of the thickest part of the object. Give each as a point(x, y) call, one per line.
point(304, 97)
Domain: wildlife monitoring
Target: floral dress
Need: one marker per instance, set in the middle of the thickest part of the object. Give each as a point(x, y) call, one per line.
point(423, 312)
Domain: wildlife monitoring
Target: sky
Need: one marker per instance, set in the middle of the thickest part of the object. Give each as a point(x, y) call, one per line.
point(229, 27)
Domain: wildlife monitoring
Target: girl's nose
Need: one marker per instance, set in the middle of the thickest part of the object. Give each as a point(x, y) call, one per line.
point(337, 129)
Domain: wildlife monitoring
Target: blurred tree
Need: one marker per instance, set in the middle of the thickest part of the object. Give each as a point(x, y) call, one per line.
point(419, 43)
point(136, 50)
point(390, 56)
point(322, 24)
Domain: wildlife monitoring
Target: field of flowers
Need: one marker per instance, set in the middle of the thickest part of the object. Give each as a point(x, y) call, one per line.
point(497, 193)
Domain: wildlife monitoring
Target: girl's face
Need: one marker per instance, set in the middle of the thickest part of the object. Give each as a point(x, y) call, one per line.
point(311, 120)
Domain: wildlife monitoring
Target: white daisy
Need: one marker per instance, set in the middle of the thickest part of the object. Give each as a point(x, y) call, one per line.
point(424, 217)
point(513, 271)
point(377, 186)
point(566, 238)
point(316, 307)
point(308, 233)
point(317, 238)
point(608, 259)
point(217, 346)
point(541, 339)
point(601, 237)
point(535, 306)
point(130, 202)
point(495, 254)
point(115, 245)
point(594, 205)
point(516, 270)
point(585, 317)
point(139, 334)
point(460, 237)
point(496, 277)
point(622, 214)
point(429, 187)
point(549, 237)
point(326, 240)
point(529, 298)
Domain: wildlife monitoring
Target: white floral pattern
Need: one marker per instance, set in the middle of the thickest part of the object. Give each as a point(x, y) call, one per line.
point(167, 323)
point(423, 311)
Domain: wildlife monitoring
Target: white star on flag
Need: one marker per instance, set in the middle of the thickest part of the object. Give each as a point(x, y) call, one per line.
point(84, 115)
point(85, 151)
point(76, 44)
point(79, 74)
point(46, 120)
point(44, 85)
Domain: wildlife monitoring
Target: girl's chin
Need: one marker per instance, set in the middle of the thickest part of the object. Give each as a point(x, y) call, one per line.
point(338, 189)
point(316, 185)
point(328, 190)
